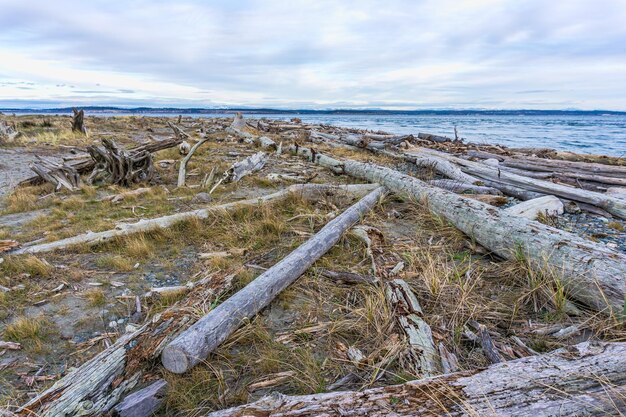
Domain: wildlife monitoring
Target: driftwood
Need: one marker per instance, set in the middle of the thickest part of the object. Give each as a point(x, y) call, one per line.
point(87, 164)
point(616, 207)
point(115, 165)
point(585, 380)
point(464, 187)
point(182, 170)
point(58, 174)
point(97, 386)
point(245, 167)
point(347, 277)
point(433, 138)
point(447, 169)
point(195, 344)
point(142, 403)
point(548, 205)
point(147, 225)
point(486, 342)
point(78, 121)
point(591, 273)
point(8, 133)
point(421, 356)
point(8, 244)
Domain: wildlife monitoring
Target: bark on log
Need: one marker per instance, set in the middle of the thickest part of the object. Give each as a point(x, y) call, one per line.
point(531, 209)
point(142, 403)
point(591, 273)
point(87, 164)
point(614, 206)
point(585, 380)
point(195, 344)
point(147, 225)
point(78, 121)
point(96, 387)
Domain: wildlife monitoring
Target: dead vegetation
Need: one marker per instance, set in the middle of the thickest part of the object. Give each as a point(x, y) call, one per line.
point(319, 334)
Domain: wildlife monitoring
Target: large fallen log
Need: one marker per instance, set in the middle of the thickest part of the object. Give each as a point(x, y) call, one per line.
point(147, 225)
point(585, 380)
point(591, 273)
point(195, 344)
point(613, 205)
point(98, 385)
point(86, 164)
point(547, 205)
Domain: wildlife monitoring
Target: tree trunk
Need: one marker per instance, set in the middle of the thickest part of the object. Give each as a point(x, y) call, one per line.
point(182, 170)
point(195, 344)
point(147, 225)
point(592, 273)
point(78, 121)
point(584, 380)
point(115, 165)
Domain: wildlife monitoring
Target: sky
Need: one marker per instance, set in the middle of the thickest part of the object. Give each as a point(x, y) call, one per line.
point(392, 54)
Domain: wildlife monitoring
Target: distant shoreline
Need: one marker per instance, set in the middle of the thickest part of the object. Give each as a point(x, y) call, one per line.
point(176, 110)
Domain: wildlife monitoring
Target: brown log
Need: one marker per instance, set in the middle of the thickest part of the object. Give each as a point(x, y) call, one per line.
point(585, 380)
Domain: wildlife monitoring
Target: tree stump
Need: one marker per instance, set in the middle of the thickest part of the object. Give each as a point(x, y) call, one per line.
point(78, 122)
point(57, 174)
point(117, 166)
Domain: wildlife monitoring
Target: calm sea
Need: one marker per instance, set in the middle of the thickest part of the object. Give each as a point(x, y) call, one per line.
point(591, 133)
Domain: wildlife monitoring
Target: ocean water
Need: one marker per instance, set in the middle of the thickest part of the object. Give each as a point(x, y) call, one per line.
point(585, 133)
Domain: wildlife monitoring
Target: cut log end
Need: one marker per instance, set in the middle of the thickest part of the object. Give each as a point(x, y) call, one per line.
point(175, 360)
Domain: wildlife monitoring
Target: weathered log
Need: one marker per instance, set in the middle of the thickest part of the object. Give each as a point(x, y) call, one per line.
point(87, 164)
point(493, 200)
point(615, 206)
point(348, 277)
point(433, 138)
point(238, 122)
point(266, 143)
point(58, 174)
point(78, 121)
point(96, 387)
point(587, 379)
point(445, 168)
point(182, 170)
point(617, 192)
point(591, 273)
point(548, 205)
point(486, 342)
point(464, 187)
point(195, 344)
point(142, 403)
point(147, 225)
point(245, 167)
point(8, 133)
point(420, 358)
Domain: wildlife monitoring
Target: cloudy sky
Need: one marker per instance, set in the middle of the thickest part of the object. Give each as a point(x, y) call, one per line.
point(396, 54)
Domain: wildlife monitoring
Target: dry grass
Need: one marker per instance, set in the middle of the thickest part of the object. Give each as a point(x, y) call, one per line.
point(28, 264)
point(115, 262)
point(95, 297)
point(31, 332)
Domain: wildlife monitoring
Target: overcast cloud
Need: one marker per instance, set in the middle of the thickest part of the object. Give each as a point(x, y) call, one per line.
point(315, 54)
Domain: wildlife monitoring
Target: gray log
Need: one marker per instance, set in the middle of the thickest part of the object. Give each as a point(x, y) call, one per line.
point(592, 273)
point(195, 344)
point(433, 138)
point(143, 403)
point(548, 205)
point(464, 187)
point(584, 380)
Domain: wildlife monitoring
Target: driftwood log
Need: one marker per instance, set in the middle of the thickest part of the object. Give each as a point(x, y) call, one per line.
point(143, 403)
point(8, 133)
point(548, 205)
point(182, 170)
point(97, 386)
point(86, 164)
point(584, 380)
point(57, 173)
point(591, 273)
point(195, 344)
point(78, 121)
point(115, 165)
point(147, 225)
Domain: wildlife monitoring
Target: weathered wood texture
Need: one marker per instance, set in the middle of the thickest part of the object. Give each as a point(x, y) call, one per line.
point(78, 121)
point(195, 344)
point(548, 205)
point(115, 165)
point(182, 169)
point(86, 164)
point(58, 174)
point(97, 386)
point(585, 380)
point(147, 225)
point(592, 273)
point(142, 403)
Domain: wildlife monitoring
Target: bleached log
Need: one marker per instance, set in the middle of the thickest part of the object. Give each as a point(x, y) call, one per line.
point(195, 344)
point(147, 225)
point(433, 138)
point(95, 387)
point(143, 403)
point(182, 170)
point(86, 164)
point(245, 167)
point(445, 168)
point(238, 122)
point(591, 273)
point(7, 132)
point(463, 187)
point(617, 192)
point(531, 209)
point(587, 379)
point(421, 356)
point(616, 207)
point(265, 143)
point(58, 174)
